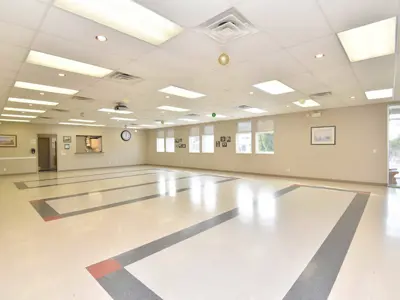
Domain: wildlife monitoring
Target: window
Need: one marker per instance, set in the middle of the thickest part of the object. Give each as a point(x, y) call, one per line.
point(265, 137)
point(170, 141)
point(243, 137)
point(89, 144)
point(194, 140)
point(207, 142)
point(160, 141)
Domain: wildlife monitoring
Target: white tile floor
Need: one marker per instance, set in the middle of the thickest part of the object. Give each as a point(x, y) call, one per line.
point(259, 254)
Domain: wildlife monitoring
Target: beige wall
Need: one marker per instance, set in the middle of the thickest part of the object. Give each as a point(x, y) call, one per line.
point(116, 152)
point(359, 155)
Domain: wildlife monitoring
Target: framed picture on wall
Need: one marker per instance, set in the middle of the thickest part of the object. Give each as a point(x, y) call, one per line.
point(67, 146)
point(323, 135)
point(7, 141)
point(66, 139)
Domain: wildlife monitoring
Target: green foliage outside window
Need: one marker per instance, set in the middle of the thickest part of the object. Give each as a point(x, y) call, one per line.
point(265, 142)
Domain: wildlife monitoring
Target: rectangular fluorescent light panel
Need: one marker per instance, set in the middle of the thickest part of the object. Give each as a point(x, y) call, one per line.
point(172, 108)
point(11, 120)
point(80, 124)
point(217, 116)
point(306, 103)
point(254, 110)
point(82, 121)
point(44, 88)
point(60, 63)
point(274, 87)
point(122, 119)
point(18, 116)
point(110, 110)
point(176, 91)
point(30, 101)
point(187, 120)
point(379, 94)
point(144, 125)
point(24, 110)
point(369, 41)
point(126, 16)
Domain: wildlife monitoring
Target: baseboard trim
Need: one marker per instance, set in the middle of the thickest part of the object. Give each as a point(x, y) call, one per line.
point(277, 175)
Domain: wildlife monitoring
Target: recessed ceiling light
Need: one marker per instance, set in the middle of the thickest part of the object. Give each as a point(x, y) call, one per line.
point(254, 110)
point(306, 103)
point(12, 120)
point(352, 97)
point(18, 116)
point(30, 101)
point(379, 94)
point(274, 87)
point(172, 108)
point(125, 16)
point(167, 97)
point(369, 41)
point(101, 38)
point(176, 91)
point(187, 120)
point(60, 63)
point(319, 55)
point(287, 105)
point(217, 116)
point(81, 124)
point(251, 93)
point(42, 94)
point(122, 119)
point(46, 88)
point(24, 110)
point(111, 110)
point(135, 130)
point(30, 104)
point(82, 121)
point(61, 74)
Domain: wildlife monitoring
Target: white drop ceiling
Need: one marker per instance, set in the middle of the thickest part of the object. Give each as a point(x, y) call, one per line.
point(290, 34)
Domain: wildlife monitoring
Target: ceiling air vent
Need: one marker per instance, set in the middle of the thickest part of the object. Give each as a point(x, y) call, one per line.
point(228, 26)
point(80, 98)
point(60, 110)
point(244, 107)
point(45, 118)
point(319, 95)
point(123, 77)
point(192, 115)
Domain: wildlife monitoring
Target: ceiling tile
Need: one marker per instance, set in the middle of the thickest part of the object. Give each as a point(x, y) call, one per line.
point(16, 35)
point(289, 22)
point(343, 14)
point(26, 13)
point(329, 46)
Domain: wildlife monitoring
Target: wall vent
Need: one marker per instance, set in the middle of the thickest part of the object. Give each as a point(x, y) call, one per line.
point(60, 110)
point(228, 26)
point(124, 77)
point(244, 107)
point(45, 118)
point(192, 115)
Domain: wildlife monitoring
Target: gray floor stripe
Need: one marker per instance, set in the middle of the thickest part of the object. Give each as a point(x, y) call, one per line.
point(330, 188)
point(317, 279)
point(111, 205)
point(122, 285)
point(119, 188)
point(98, 179)
point(20, 185)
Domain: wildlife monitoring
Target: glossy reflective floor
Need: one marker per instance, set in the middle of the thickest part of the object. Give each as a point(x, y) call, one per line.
point(155, 233)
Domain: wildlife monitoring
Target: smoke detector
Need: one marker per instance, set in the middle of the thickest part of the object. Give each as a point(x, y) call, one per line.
point(228, 26)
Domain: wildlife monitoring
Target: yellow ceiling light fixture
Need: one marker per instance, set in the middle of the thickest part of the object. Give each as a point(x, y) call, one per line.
point(224, 59)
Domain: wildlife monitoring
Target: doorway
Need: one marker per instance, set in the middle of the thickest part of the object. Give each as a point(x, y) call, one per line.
point(394, 146)
point(47, 152)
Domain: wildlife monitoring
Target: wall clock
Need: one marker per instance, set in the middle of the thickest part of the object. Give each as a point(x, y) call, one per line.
point(126, 135)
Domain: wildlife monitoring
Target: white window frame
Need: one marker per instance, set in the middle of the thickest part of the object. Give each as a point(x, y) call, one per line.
point(208, 132)
point(244, 131)
point(170, 141)
point(194, 133)
point(256, 137)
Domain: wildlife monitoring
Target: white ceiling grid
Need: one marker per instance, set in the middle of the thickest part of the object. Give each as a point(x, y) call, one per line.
point(291, 33)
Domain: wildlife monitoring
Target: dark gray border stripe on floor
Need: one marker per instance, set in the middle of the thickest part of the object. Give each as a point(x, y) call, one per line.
point(91, 180)
point(49, 214)
point(332, 189)
point(318, 278)
point(122, 285)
